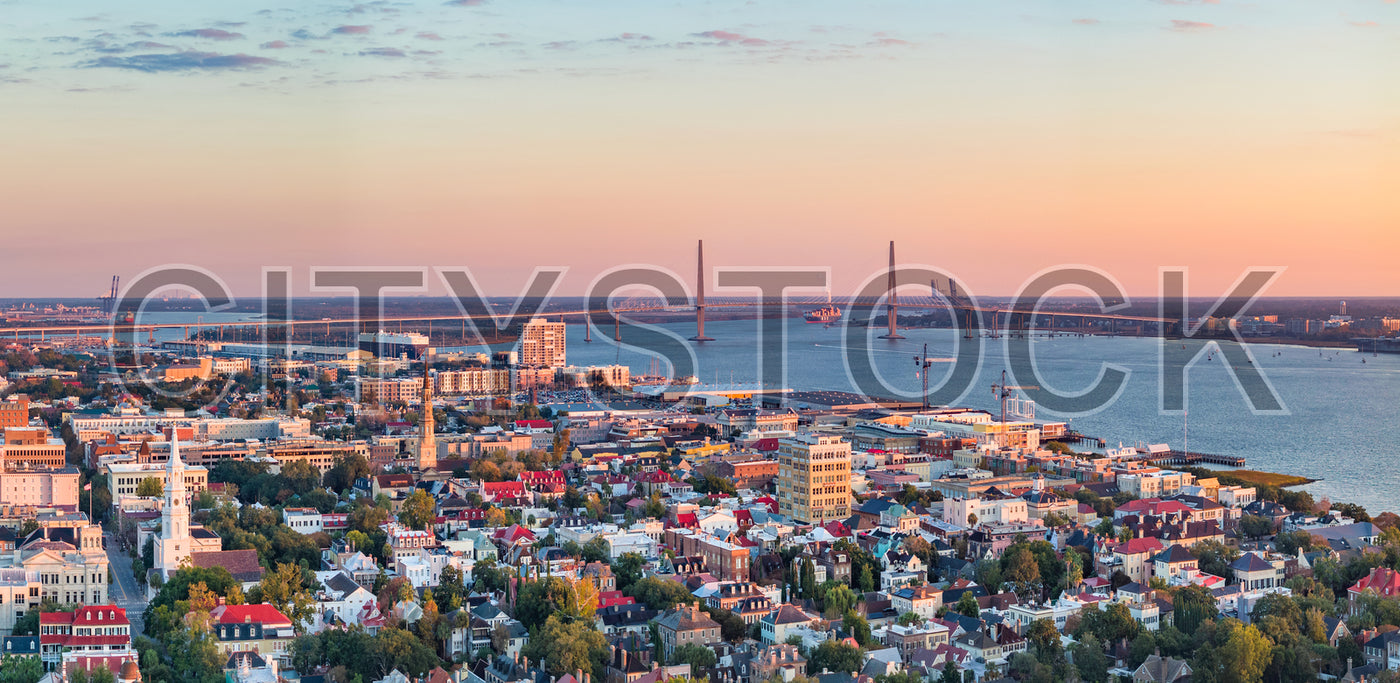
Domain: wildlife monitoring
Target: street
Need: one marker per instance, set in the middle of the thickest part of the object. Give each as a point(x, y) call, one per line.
point(124, 591)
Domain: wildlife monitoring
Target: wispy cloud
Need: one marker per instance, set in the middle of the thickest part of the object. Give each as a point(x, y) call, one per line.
point(383, 52)
point(276, 45)
point(1086, 21)
point(1364, 24)
point(428, 35)
point(1188, 2)
point(352, 30)
point(189, 60)
point(729, 37)
point(209, 33)
point(466, 3)
point(1190, 26)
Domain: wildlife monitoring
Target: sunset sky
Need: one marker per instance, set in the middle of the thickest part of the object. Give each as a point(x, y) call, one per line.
point(991, 138)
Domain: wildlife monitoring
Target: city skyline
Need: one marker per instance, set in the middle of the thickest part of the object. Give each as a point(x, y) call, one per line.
point(992, 141)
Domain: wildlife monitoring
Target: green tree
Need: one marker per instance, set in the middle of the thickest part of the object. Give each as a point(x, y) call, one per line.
point(565, 645)
point(698, 657)
point(282, 588)
point(1045, 639)
point(660, 594)
point(858, 627)
point(150, 487)
point(1244, 654)
point(950, 674)
point(1256, 527)
point(1089, 658)
point(1191, 606)
point(20, 669)
point(809, 579)
point(418, 511)
point(627, 569)
point(967, 605)
point(835, 656)
point(1215, 557)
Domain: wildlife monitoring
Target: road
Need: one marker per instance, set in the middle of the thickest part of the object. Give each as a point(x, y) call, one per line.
point(124, 591)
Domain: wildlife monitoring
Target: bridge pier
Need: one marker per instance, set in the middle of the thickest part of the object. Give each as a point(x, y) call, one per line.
point(892, 297)
point(699, 295)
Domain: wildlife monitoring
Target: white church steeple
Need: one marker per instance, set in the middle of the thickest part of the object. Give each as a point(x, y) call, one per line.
point(173, 546)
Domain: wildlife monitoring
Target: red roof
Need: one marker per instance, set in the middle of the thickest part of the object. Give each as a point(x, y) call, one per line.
point(95, 615)
point(514, 533)
point(766, 445)
point(770, 502)
point(503, 488)
point(1385, 582)
point(610, 598)
point(837, 529)
point(1137, 546)
point(264, 614)
point(534, 424)
point(743, 517)
point(687, 520)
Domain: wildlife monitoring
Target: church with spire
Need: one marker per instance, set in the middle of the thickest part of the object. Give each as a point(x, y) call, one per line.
point(427, 438)
point(173, 546)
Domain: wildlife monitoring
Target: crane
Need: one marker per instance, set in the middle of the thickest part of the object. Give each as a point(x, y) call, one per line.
point(1003, 391)
point(922, 363)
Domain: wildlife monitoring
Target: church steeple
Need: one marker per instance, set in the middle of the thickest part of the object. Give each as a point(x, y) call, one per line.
point(427, 438)
point(174, 542)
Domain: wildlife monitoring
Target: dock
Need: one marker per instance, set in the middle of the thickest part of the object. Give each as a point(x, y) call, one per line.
point(1175, 457)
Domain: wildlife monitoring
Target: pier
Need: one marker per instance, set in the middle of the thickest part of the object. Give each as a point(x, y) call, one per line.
point(1175, 457)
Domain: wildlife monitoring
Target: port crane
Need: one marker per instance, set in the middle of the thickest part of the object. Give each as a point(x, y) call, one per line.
point(923, 363)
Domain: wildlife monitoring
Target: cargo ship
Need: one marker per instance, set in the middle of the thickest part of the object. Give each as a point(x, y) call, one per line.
point(824, 314)
point(1377, 344)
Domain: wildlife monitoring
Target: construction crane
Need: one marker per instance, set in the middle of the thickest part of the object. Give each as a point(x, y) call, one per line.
point(1003, 391)
point(922, 363)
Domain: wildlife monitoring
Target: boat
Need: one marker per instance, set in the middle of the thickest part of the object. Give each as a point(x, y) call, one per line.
point(825, 314)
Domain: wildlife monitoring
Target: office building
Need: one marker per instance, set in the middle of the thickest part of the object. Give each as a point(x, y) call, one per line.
point(814, 478)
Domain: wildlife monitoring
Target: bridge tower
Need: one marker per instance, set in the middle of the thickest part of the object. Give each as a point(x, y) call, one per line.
point(892, 301)
point(700, 294)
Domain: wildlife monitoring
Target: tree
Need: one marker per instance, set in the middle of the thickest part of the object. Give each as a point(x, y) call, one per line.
point(1142, 647)
point(858, 627)
point(627, 569)
point(1191, 606)
point(418, 510)
point(1254, 526)
point(1244, 655)
point(837, 598)
point(282, 588)
point(950, 674)
point(809, 579)
point(1089, 658)
point(1045, 638)
point(1023, 572)
point(20, 669)
point(1214, 557)
point(150, 487)
point(581, 599)
point(563, 645)
point(698, 657)
point(496, 517)
point(835, 656)
point(967, 605)
point(660, 594)
point(596, 550)
point(342, 475)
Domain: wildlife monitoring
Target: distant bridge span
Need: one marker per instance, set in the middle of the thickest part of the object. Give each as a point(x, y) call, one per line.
point(1007, 319)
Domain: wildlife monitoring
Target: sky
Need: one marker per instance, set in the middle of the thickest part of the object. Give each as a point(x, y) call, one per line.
point(993, 139)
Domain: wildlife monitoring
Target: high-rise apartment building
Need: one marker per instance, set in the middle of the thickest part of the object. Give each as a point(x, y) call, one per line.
point(814, 478)
point(542, 343)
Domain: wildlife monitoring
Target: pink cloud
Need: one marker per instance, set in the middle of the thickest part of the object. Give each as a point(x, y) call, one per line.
point(467, 3)
point(428, 35)
point(1183, 25)
point(1364, 24)
point(1086, 22)
point(276, 45)
point(351, 30)
point(731, 37)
